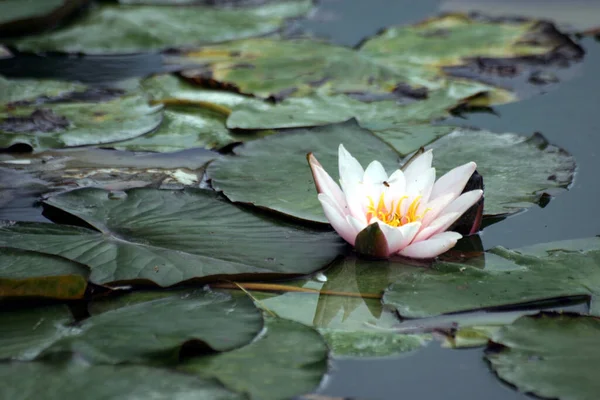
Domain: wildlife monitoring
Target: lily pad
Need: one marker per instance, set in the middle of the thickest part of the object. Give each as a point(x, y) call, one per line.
point(22, 17)
point(550, 355)
point(72, 381)
point(135, 28)
point(517, 170)
point(30, 274)
point(500, 278)
point(344, 305)
point(272, 172)
point(167, 237)
point(290, 359)
point(48, 116)
point(156, 330)
point(26, 333)
point(408, 55)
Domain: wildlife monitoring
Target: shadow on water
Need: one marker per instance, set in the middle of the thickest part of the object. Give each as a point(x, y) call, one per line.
point(567, 116)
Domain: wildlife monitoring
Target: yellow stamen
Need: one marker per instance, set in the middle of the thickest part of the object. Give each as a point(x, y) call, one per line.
point(394, 216)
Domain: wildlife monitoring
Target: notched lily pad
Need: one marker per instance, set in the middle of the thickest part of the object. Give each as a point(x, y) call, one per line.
point(136, 28)
point(49, 115)
point(290, 359)
point(157, 330)
point(167, 237)
point(500, 278)
point(31, 274)
point(517, 170)
point(104, 382)
point(549, 355)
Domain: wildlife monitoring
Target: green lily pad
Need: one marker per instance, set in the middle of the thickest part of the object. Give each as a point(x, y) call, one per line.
point(167, 237)
point(156, 330)
point(290, 359)
point(517, 170)
point(22, 17)
point(49, 117)
point(346, 309)
point(24, 334)
point(273, 173)
point(135, 28)
point(30, 274)
point(73, 381)
point(28, 90)
point(500, 277)
point(550, 355)
point(408, 55)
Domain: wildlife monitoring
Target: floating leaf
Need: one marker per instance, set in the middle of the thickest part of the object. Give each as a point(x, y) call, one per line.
point(77, 381)
point(507, 278)
point(550, 355)
point(157, 329)
point(30, 274)
point(136, 28)
point(344, 306)
point(22, 17)
point(167, 237)
point(24, 334)
point(288, 360)
point(516, 170)
point(48, 116)
point(273, 173)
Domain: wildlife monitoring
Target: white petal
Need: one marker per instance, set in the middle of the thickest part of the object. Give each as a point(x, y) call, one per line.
point(421, 185)
point(356, 199)
point(374, 174)
point(418, 165)
point(350, 169)
point(458, 208)
point(433, 247)
point(337, 219)
point(453, 181)
point(395, 189)
point(325, 184)
point(398, 238)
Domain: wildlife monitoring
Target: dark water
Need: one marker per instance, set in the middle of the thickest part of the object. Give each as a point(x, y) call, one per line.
point(568, 116)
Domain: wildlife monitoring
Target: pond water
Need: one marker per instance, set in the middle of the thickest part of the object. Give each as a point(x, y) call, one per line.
point(567, 116)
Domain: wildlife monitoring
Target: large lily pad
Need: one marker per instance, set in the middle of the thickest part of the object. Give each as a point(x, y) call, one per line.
point(30, 274)
point(550, 355)
point(167, 237)
point(500, 277)
point(290, 359)
point(76, 381)
point(26, 333)
point(50, 116)
point(517, 170)
point(156, 330)
point(273, 173)
point(134, 28)
point(413, 55)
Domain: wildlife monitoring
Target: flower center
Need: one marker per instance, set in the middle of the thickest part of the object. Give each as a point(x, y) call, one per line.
point(393, 216)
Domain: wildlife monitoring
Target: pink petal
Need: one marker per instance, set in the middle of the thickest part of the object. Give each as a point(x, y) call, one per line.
point(350, 169)
point(436, 226)
point(418, 166)
point(453, 181)
point(435, 207)
point(356, 200)
point(325, 184)
point(458, 208)
point(433, 247)
point(400, 237)
point(337, 219)
point(357, 224)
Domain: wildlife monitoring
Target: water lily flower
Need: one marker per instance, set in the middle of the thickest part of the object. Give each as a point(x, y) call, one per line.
point(407, 213)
